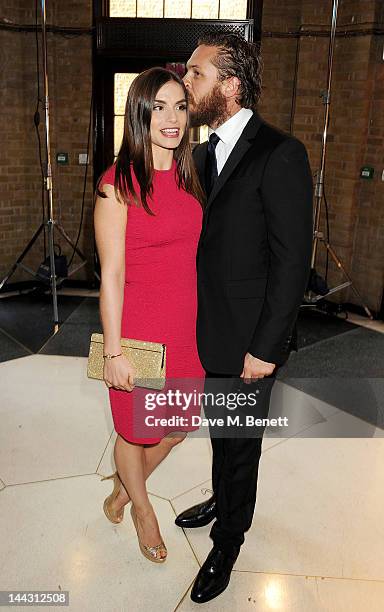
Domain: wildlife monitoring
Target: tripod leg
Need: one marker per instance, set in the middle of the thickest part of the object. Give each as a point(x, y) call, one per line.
point(341, 267)
point(67, 238)
point(23, 254)
point(53, 274)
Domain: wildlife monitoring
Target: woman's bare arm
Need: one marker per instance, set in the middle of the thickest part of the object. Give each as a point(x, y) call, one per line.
point(110, 220)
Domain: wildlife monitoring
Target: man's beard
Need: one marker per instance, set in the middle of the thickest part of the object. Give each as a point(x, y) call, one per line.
point(210, 110)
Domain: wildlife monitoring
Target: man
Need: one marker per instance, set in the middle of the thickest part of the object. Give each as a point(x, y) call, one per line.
point(253, 267)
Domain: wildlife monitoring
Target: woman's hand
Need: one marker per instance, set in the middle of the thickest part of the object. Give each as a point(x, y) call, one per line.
point(119, 373)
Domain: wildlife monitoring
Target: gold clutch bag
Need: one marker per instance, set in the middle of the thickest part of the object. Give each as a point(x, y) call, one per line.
point(148, 359)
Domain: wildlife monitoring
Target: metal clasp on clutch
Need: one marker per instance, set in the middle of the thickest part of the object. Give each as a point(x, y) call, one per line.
point(162, 359)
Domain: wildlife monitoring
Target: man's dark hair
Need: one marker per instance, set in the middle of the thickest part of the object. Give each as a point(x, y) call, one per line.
point(240, 58)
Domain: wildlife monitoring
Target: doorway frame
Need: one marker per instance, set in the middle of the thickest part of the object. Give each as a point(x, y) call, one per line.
point(111, 54)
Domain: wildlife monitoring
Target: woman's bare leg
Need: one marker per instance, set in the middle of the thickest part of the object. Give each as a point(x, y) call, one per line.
point(134, 463)
point(153, 456)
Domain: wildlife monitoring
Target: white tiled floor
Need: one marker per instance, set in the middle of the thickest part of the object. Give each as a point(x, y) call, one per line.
point(316, 543)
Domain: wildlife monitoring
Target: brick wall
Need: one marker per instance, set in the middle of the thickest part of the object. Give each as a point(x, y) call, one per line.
point(356, 128)
point(70, 85)
point(368, 240)
point(355, 133)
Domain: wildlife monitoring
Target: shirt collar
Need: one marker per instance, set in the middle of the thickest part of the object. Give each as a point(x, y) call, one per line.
point(233, 127)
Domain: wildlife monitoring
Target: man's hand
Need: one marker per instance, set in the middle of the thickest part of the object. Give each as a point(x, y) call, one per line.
point(255, 368)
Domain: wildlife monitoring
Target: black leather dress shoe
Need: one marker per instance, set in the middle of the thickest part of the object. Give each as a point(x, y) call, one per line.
point(214, 575)
point(199, 515)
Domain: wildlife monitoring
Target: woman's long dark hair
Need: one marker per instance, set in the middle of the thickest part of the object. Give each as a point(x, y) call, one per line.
point(136, 147)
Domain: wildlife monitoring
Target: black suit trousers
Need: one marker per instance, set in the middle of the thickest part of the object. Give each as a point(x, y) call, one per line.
point(236, 460)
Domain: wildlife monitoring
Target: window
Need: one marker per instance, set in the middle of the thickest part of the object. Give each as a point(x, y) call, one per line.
point(122, 84)
point(197, 9)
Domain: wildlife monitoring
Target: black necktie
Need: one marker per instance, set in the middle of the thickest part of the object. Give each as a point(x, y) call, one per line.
point(211, 173)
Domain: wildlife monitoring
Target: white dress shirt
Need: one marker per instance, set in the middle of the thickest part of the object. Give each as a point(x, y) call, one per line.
point(229, 133)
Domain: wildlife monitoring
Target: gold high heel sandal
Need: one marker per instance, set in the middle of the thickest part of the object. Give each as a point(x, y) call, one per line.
point(109, 513)
point(149, 552)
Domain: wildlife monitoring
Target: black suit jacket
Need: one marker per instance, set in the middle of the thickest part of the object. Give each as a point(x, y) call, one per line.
point(254, 252)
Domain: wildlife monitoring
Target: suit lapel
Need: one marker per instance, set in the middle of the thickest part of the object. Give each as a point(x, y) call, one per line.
point(236, 155)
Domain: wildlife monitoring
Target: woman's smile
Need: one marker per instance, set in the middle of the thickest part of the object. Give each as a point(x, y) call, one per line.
point(170, 132)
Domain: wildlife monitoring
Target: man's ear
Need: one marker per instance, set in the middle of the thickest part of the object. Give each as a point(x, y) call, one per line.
point(231, 87)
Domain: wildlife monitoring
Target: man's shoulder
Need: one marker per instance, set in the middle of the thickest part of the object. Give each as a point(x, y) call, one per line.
point(199, 149)
point(277, 137)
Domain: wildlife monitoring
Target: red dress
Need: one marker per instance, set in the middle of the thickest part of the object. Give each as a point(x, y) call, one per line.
point(160, 292)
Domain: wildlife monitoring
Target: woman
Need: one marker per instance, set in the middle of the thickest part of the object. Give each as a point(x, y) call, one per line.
point(148, 215)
